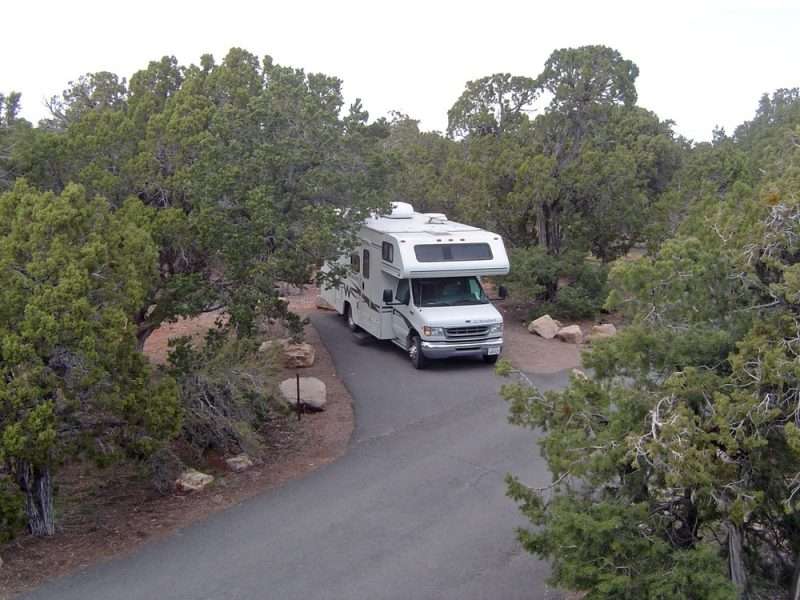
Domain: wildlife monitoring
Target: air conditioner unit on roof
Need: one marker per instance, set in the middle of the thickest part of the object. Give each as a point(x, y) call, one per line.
point(401, 210)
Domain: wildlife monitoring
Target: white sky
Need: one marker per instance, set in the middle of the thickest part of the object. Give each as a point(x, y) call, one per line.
point(701, 63)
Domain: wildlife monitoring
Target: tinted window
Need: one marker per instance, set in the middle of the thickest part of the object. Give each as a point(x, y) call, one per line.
point(355, 263)
point(366, 264)
point(387, 252)
point(452, 252)
point(448, 291)
point(403, 292)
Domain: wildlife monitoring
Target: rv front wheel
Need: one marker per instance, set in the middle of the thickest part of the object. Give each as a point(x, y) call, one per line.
point(348, 314)
point(415, 352)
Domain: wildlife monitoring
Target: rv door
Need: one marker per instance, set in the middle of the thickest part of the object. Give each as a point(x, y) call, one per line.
point(401, 314)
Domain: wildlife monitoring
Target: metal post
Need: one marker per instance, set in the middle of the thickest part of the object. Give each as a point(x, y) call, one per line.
point(297, 406)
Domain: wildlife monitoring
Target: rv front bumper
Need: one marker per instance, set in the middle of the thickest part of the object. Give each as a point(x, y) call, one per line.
point(471, 348)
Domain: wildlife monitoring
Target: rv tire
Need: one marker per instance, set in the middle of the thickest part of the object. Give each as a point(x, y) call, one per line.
point(415, 352)
point(348, 315)
point(490, 360)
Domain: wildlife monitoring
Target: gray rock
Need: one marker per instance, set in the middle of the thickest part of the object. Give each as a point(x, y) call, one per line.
point(544, 327)
point(299, 356)
point(193, 481)
point(601, 332)
point(571, 334)
point(239, 463)
point(578, 374)
point(312, 391)
point(295, 356)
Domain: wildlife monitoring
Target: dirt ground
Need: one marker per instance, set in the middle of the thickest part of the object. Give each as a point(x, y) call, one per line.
point(103, 514)
point(531, 353)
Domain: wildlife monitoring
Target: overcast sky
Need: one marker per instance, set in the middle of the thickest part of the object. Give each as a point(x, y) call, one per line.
point(701, 63)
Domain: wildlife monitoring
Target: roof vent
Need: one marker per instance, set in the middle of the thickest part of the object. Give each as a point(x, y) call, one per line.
point(436, 218)
point(401, 210)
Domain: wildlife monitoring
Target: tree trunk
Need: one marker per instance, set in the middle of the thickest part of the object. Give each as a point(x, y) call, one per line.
point(736, 568)
point(37, 485)
point(144, 332)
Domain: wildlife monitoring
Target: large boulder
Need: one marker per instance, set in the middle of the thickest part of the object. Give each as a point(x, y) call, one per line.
point(298, 356)
point(295, 356)
point(239, 463)
point(545, 327)
point(601, 332)
point(193, 481)
point(313, 392)
point(571, 334)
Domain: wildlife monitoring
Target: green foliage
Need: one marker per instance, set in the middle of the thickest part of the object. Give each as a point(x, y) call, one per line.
point(566, 286)
point(227, 390)
point(72, 272)
point(676, 466)
point(12, 513)
point(492, 105)
point(247, 167)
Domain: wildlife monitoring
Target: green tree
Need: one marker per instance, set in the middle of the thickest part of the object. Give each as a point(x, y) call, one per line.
point(248, 164)
point(677, 464)
point(492, 105)
point(72, 272)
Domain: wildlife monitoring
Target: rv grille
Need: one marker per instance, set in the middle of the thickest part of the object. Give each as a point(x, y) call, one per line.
point(466, 331)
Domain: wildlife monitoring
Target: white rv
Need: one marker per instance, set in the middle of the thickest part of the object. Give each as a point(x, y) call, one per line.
point(415, 280)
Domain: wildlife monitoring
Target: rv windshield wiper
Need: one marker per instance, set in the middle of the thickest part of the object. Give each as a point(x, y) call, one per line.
point(470, 301)
point(432, 304)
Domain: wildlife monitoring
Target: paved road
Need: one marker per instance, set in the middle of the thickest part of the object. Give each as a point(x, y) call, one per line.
point(416, 508)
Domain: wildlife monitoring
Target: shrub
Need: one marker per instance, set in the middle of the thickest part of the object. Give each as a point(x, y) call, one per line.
point(535, 277)
point(12, 513)
point(227, 389)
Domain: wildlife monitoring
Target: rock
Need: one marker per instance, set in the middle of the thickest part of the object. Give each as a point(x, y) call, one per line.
point(544, 326)
point(298, 356)
point(578, 374)
point(601, 332)
point(571, 334)
point(324, 304)
point(312, 392)
point(295, 356)
point(270, 344)
point(606, 329)
point(239, 463)
point(193, 481)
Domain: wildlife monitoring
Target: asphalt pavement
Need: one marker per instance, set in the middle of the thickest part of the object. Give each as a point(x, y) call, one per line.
point(416, 509)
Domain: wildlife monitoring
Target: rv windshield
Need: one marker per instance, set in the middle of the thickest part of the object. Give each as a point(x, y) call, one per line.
point(448, 291)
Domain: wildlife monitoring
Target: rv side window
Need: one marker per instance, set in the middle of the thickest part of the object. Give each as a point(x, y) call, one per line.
point(403, 294)
point(366, 264)
point(355, 263)
point(388, 252)
point(452, 252)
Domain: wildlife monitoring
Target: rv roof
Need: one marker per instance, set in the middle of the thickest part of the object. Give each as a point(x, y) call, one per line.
point(416, 223)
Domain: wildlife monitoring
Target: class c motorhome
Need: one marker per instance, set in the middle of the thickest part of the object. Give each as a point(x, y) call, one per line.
point(415, 280)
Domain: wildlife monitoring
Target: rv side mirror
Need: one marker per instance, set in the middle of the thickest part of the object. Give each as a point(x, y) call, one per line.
point(502, 292)
point(388, 296)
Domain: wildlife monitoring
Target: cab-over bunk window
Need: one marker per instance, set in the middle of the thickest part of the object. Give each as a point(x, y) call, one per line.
point(452, 252)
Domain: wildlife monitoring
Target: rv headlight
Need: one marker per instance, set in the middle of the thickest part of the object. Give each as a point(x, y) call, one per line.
point(496, 328)
point(432, 331)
